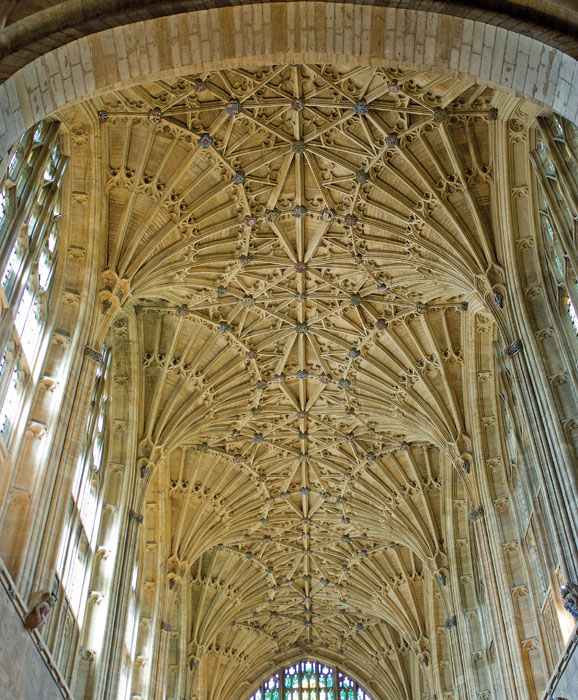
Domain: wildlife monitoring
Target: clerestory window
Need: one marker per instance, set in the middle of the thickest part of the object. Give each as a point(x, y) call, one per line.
point(29, 228)
point(556, 165)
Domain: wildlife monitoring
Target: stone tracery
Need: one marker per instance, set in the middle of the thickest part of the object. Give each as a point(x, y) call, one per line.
point(303, 302)
point(287, 232)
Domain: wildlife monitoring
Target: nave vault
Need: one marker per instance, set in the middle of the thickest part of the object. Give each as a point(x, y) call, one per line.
point(306, 295)
point(306, 243)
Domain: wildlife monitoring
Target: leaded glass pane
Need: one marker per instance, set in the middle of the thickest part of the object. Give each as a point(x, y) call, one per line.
point(545, 157)
point(309, 680)
point(557, 127)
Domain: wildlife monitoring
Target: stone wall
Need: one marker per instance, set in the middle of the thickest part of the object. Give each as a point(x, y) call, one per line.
point(25, 671)
point(306, 32)
point(564, 682)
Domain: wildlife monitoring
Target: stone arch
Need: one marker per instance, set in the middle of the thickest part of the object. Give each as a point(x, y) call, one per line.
point(285, 32)
point(295, 656)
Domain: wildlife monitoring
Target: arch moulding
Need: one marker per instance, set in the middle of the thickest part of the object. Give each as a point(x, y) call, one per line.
point(290, 32)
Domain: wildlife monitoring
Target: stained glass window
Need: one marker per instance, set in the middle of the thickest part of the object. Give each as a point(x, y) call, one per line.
point(310, 680)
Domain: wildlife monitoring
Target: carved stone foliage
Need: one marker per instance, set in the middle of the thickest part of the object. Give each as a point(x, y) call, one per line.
point(299, 253)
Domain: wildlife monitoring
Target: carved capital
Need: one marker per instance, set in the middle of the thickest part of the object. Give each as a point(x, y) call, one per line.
point(135, 517)
point(513, 349)
point(92, 354)
point(47, 383)
point(36, 429)
point(76, 253)
point(87, 654)
point(95, 597)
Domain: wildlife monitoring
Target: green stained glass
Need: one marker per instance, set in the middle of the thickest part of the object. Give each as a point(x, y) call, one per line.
point(309, 680)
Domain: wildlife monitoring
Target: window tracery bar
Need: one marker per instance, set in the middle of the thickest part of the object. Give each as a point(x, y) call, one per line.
point(310, 680)
point(78, 543)
point(29, 225)
point(556, 167)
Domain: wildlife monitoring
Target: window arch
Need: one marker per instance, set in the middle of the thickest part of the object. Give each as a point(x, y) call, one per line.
point(29, 227)
point(79, 537)
point(556, 164)
point(310, 680)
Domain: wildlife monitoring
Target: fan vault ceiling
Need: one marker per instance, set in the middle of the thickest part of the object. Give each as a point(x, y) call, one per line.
point(306, 250)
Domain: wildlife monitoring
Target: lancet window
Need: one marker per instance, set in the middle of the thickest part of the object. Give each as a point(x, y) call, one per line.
point(556, 165)
point(29, 228)
point(79, 538)
point(310, 680)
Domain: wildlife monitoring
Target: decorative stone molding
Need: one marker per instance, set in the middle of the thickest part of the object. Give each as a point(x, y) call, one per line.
point(87, 654)
point(93, 354)
point(79, 198)
point(76, 254)
point(95, 597)
point(36, 429)
point(60, 339)
point(48, 383)
point(513, 349)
